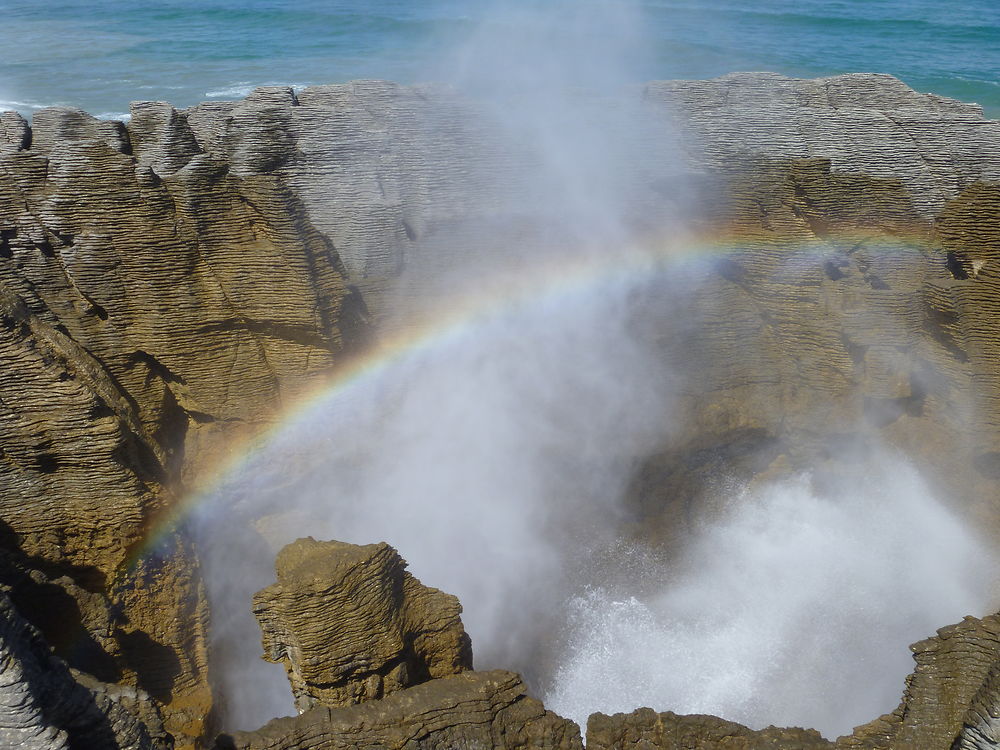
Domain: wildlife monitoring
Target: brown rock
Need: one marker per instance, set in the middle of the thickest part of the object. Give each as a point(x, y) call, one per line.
point(167, 284)
point(137, 332)
point(350, 624)
point(951, 702)
point(43, 706)
point(951, 698)
point(646, 729)
point(474, 710)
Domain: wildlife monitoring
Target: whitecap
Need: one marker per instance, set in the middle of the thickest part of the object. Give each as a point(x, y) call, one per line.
point(11, 104)
point(243, 89)
point(237, 89)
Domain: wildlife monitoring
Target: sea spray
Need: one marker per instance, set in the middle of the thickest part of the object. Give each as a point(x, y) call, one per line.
point(495, 454)
point(483, 459)
point(794, 607)
point(486, 455)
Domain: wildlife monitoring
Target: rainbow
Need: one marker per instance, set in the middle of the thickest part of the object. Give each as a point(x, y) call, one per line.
point(544, 283)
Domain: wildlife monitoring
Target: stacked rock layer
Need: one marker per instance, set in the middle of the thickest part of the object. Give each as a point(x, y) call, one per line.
point(170, 285)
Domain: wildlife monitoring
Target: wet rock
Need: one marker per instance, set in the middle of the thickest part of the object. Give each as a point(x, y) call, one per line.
point(350, 624)
point(952, 698)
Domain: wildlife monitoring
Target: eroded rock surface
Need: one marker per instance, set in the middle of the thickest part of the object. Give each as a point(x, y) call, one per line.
point(350, 624)
point(644, 729)
point(45, 707)
point(377, 660)
point(472, 710)
point(152, 305)
point(951, 701)
point(171, 284)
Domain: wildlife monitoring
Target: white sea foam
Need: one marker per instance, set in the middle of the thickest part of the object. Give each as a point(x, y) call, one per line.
point(790, 590)
point(235, 89)
point(244, 88)
point(19, 105)
point(31, 107)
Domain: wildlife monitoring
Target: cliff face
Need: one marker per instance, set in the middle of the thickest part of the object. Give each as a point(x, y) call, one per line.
point(46, 707)
point(168, 285)
point(152, 300)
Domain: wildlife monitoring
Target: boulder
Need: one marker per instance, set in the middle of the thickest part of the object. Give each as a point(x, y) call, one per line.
point(350, 624)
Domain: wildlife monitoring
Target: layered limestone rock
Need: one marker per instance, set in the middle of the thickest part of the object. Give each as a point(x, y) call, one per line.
point(846, 216)
point(45, 707)
point(951, 701)
point(646, 729)
point(350, 624)
point(169, 285)
point(474, 710)
point(152, 304)
point(376, 659)
point(360, 641)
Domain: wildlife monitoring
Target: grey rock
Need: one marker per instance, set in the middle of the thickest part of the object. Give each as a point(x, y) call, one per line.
point(44, 707)
point(14, 132)
point(64, 127)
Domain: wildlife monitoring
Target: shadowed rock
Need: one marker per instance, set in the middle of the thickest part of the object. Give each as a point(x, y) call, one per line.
point(470, 711)
point(350, 624)
point(43, 706)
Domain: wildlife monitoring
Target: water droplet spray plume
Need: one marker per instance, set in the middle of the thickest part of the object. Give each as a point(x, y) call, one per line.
point(496, 457)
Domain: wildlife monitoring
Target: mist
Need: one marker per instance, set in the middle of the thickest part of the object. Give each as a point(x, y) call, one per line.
point(495, 450)
point(794, 607)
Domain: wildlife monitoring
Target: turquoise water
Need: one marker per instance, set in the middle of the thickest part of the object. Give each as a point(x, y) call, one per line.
point(101, 54)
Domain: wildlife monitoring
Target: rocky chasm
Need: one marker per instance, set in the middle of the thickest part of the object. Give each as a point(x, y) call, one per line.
point(170, 287)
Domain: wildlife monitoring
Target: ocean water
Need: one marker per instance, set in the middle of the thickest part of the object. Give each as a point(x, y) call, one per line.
point(101, 54)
